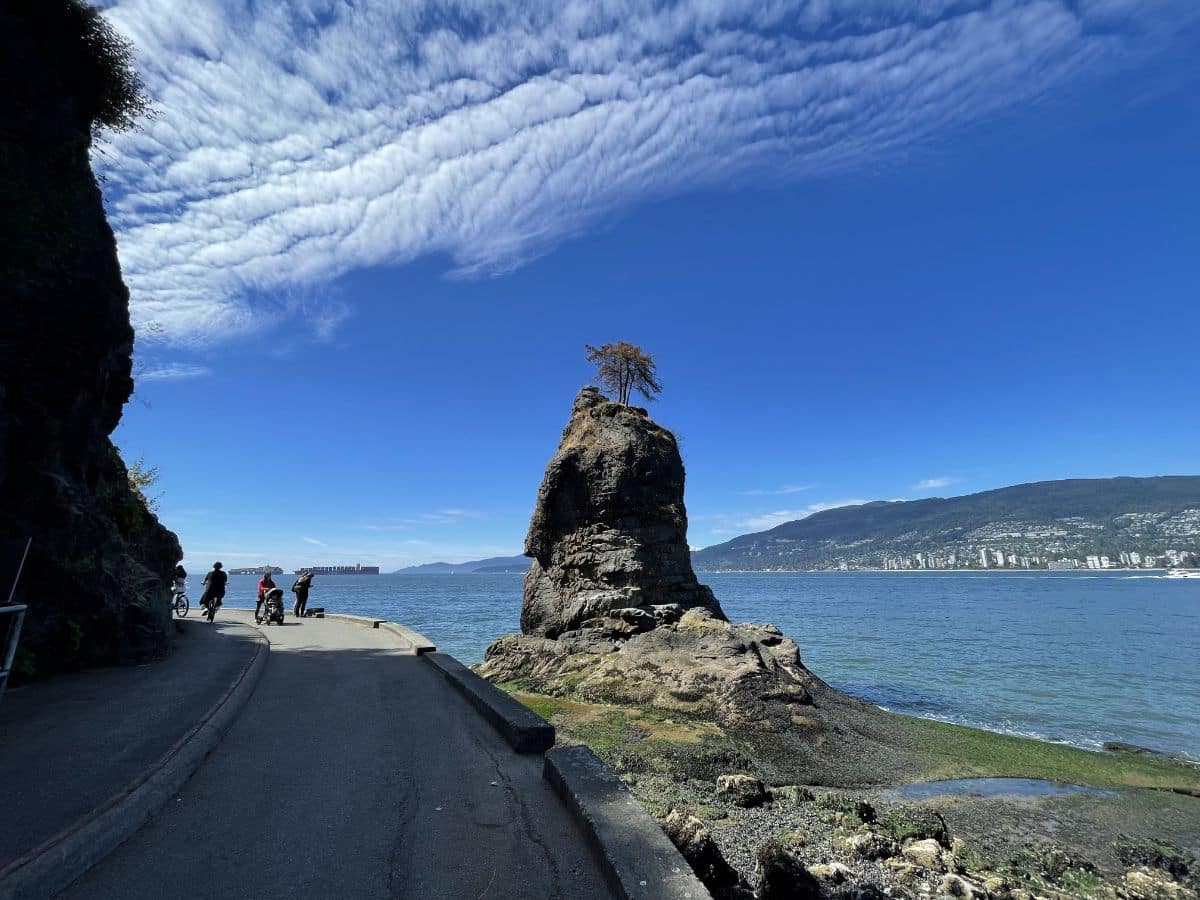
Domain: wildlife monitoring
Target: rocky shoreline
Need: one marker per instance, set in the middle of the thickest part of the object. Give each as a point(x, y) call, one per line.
point(747, 835)
point(772, 783)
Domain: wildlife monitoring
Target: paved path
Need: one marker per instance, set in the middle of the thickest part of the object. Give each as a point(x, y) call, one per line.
point(354, 772)
point(70, 744)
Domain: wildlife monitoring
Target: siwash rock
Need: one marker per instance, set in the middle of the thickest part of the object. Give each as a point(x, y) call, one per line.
point(612, 608)
point(609, 533)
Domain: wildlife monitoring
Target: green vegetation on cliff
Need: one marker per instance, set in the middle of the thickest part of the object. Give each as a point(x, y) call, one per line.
point(93, 61)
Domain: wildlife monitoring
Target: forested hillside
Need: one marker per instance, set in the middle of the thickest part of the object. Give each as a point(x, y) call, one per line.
point(1049, 520)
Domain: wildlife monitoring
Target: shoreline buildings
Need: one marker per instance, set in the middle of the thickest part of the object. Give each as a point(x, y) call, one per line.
point(990, 558)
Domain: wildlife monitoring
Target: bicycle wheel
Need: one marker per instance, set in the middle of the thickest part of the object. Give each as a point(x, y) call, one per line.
point(181, 606)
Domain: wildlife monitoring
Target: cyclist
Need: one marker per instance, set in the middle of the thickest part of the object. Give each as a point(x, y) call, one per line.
point(180, 578)
point(214, 586)
point(265, 584)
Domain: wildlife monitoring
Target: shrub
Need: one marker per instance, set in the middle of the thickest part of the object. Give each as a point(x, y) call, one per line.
point(96, 62)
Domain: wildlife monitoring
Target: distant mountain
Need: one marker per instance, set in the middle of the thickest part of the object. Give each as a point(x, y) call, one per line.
point(492, 565)
point(1049, 519)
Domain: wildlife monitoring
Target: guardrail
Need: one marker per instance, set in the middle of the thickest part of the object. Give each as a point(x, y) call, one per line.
point(16, 612)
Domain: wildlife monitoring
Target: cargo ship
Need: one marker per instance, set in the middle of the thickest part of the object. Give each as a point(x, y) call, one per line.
point(338, 570)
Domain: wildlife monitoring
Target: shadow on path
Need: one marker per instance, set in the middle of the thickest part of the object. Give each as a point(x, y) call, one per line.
point(70, 744)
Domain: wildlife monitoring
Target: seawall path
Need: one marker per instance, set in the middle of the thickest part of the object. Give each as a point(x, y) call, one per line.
point(355, 770)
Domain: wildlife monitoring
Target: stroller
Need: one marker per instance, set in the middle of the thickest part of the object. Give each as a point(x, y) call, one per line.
point(273, 607)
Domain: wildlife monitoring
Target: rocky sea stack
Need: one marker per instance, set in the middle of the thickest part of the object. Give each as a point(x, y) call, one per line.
point(612, 609)
point(96, 580)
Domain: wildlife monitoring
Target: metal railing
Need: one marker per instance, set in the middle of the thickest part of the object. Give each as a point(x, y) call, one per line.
point(14, 613)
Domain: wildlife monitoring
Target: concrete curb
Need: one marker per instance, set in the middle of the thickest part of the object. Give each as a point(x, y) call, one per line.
point(525, 730)
point(49, 868)
point(639, 859)
point(416, 641)
point(420, 643)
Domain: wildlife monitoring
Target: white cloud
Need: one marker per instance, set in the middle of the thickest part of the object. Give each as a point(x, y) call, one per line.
point(769, 492)
point(764, 521)
point(296, 142)
point(314, 542)
point(933, 484)
point(419, 520)
point(173, 372)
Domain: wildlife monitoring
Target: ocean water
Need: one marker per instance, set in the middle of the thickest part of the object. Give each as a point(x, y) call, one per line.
point(1076, 657)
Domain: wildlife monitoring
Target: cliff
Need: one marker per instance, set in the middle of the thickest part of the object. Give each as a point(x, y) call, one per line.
point(96, 580)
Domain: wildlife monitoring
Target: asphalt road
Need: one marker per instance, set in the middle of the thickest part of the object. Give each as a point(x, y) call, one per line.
point(69, 744)
point(355, 772)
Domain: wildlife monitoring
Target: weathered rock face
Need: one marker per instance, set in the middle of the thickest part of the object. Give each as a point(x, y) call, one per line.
point(96, 579)
point(609, 533)
point(613, 611)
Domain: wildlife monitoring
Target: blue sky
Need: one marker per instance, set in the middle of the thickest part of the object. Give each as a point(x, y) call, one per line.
point(879, 249)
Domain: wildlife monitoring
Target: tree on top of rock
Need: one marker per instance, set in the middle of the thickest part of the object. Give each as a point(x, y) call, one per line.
point(622, 368)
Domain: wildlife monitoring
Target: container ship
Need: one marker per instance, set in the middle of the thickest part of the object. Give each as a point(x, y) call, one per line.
point(338, 570)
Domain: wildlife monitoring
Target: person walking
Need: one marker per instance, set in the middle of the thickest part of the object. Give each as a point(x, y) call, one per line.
point(300, 589)
point(265, 584)
point(214, 586)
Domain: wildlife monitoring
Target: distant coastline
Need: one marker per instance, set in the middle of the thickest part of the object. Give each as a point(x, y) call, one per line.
point(996, 571)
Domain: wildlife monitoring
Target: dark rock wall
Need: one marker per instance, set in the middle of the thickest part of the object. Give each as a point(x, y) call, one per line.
point(97, 577)
point(609, 532)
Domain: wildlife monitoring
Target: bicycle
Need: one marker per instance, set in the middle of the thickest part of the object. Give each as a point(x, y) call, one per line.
point(180, 606)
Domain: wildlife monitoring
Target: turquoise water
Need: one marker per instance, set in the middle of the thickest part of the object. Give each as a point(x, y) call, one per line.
point(1080, 658)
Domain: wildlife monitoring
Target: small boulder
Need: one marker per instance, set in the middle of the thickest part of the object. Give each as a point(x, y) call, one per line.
point(792, 838)
point(865, 844)
point(926, 853)
point(903, 871)
point(957, 886)
point(844, 810)
point(742, 790)
point(692, 839)
point(1152, 884)
point(794, 794)
point(830, 872)
point(997, 887)
point(914, 823)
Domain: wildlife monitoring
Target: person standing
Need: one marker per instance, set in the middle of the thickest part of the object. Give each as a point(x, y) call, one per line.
point(300, 589)
point(214, 586)
point(265, 584)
